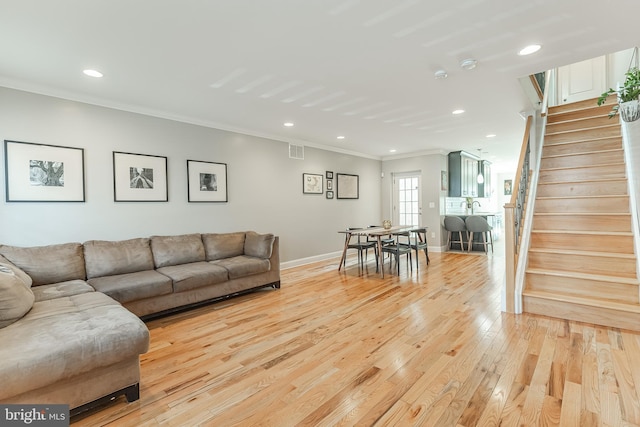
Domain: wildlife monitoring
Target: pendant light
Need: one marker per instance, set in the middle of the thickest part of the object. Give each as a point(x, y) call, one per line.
point(480, 178)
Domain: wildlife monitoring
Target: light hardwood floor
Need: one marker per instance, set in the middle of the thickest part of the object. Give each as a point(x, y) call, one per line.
point(349, 348)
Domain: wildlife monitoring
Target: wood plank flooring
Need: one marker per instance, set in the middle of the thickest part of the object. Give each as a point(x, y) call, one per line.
point(351, 349)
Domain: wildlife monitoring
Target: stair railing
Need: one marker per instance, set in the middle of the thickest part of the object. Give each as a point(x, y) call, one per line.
point(515, 220)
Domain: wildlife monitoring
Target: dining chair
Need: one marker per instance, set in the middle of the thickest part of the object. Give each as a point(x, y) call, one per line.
point(479, 224)
point(388, 240)
point(418, 242)
point(399, 247)
point(362, 245)
point(455, 224)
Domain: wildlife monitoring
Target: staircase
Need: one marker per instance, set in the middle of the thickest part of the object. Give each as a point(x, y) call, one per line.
point(582, 264)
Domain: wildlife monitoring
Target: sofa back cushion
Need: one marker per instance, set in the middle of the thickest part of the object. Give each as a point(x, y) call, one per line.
point(16, 297)
point(105, 258)
point(48, 264)
point(175, 250)
point(223, 245)
point(258, 245)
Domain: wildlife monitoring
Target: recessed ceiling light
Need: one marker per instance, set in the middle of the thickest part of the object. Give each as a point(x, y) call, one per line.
point(441, 74)
point(92, 73)
point(393, 150)
point(288, 124)
point(468, 64)
point(456, 112)
point(491, 135)
point(529, 49)
point(340, 136)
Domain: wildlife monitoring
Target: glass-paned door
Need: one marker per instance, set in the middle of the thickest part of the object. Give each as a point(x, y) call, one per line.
point(407, 209)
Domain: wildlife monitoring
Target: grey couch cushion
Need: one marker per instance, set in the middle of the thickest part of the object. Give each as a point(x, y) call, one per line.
point(175, 250)
point(133, 286)
point(241, 266)
point(223, 245)
point(16, 297)
point(194, 275)
point(258, 245)
point(48, 264)
point(21, 274)
point(106, 258)
point(64, 337)
point(61, 289)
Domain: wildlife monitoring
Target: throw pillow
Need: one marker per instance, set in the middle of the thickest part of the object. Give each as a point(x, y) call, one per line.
point(16, 298)
point(258, 245)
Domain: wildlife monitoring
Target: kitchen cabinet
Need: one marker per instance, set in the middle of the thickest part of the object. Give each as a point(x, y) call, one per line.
point(484, 189)
point(463, 174)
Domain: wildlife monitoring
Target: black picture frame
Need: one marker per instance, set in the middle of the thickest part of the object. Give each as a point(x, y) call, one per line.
point(329, 194)
point(347, 186)
point(207, 182)
point(329, 175)
point(43, 172)
point(312, 183)
point(139, 177)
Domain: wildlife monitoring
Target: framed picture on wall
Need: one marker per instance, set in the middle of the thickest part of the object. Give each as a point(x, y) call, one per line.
point(507, 187)
point(312, 183)
point(139, 178)
point(329, 184)
point(206, 181)
point(43, 173)
point(329, 194)
point(347, 186)
point(329, 175)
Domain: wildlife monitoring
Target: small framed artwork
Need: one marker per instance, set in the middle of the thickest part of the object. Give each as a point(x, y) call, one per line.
point(139, 178)
point(329, 194)
point(311, 183)
point(507, 187)
point(347, 186)
point(329, 175)
point(329, 184)
point(206, 181)
point(444, 181)
point(43, 173)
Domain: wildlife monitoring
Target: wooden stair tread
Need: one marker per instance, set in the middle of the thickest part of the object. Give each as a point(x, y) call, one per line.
point(585, 232)
point(595, 181)
point(583, 153)
point(602, 196)
point(582, 167)
point(584, 276)
point(579, 141)
point(593, 302)
point(582, 213)
point(583, 253)
point(565, 132)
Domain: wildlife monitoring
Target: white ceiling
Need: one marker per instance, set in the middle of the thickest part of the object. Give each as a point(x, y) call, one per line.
point(359, 68)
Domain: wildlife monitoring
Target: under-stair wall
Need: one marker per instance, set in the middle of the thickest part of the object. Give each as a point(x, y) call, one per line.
point(581, 261)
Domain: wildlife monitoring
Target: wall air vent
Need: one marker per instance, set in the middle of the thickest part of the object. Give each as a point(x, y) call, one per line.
point(296, 151)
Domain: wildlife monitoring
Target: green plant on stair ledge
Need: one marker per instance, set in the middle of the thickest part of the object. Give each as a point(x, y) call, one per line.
point(628, 93)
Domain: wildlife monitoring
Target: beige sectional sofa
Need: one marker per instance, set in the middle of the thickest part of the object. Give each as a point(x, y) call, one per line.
point(70, 327)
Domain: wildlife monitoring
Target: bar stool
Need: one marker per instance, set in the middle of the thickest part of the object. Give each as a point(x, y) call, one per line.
point(454, 224)
point(479, 224)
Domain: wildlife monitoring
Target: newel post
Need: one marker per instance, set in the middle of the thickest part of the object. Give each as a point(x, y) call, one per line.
point(510, 256)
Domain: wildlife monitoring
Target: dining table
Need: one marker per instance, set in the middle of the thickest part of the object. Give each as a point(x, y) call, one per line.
point(378, 233)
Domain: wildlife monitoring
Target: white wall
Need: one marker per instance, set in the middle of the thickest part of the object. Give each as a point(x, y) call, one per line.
point(265, 186)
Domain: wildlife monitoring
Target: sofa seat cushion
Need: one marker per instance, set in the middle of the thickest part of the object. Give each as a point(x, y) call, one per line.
point(133, 286)
point(176, 250)
point(223, 245)
point(62, 289)
point(194, 275)
point(67, 336)
point(106, 258)
point(243, 265)
point(48, 264)
point(16, 297)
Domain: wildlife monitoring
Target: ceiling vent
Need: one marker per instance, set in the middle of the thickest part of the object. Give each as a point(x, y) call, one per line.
point(296, 151)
